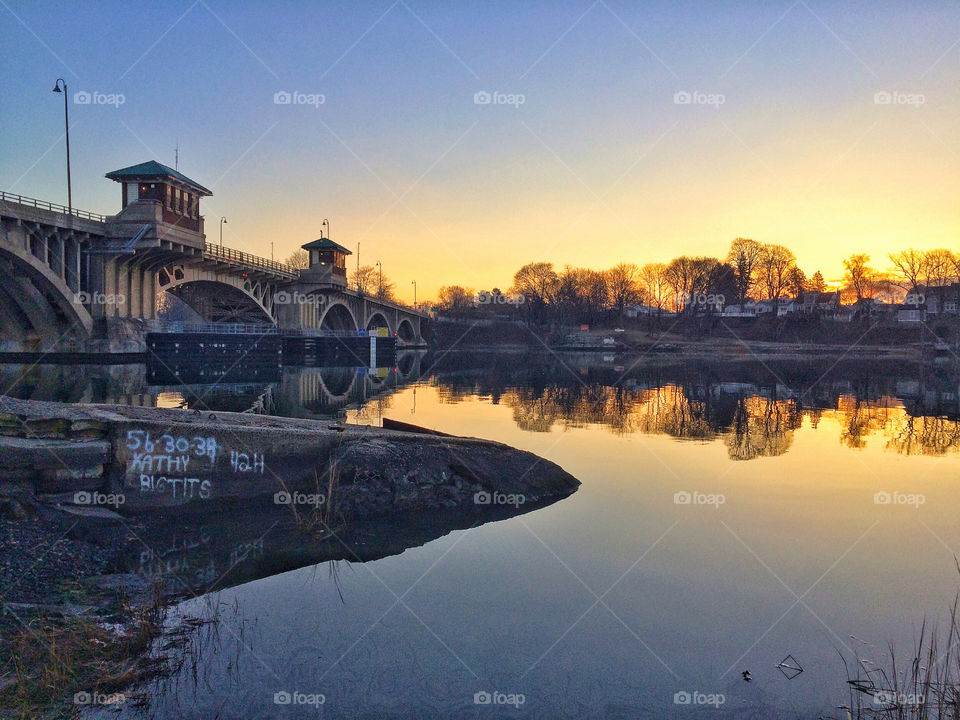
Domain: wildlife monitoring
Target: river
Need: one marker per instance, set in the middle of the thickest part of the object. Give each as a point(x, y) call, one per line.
point(759, 516)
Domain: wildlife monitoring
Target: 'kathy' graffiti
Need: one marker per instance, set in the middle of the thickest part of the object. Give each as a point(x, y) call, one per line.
point(179, 466)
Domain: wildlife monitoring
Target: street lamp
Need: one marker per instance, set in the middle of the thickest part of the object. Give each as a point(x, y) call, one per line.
point(66, 123)
point(325, 224)
point(380, 281)
point(222, 221)
point(414, 283)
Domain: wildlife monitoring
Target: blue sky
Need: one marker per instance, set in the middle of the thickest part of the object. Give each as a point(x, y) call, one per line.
point(599, 164)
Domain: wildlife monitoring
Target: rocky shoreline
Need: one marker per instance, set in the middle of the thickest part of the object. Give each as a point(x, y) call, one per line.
point(109, 514)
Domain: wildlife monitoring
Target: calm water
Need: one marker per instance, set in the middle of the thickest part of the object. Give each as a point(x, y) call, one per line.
point(608, 603)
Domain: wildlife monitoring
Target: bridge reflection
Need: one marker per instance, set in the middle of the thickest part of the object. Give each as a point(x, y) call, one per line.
point(305, 392)
point(754, 409)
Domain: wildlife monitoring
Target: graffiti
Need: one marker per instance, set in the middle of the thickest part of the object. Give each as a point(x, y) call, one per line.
point(167, 445)
point(242, 462)
point(177, 465)
point(181, 488)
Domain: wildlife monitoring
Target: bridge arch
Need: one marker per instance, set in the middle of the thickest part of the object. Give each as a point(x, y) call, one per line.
point(338, 316)
point(377, 320)
point(406, 332)
point(45, 303)
point(219, 297)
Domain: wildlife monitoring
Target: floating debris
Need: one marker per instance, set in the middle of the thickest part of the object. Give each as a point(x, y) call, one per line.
point(789, 667)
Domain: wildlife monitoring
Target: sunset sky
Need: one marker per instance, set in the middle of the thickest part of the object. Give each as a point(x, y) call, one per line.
point(598, 165)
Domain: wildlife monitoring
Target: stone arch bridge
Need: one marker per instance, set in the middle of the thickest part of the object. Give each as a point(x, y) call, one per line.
point(82, 282)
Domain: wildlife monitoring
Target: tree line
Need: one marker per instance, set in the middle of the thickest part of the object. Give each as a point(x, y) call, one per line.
point(750, 270)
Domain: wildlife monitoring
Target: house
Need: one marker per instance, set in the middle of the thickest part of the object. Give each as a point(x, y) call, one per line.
point(934, 300)
point(909, 313)
point(819, 303)
point(786, 306)
point(747, 310)
point(633, 311)
point(844, 313)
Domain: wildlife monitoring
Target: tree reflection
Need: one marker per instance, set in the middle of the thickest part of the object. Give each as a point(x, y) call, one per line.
point(752, 420)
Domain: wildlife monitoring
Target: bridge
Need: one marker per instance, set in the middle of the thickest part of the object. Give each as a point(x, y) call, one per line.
point(79, 281)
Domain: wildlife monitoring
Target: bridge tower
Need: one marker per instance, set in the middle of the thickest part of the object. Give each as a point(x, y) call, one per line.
point(159, 223)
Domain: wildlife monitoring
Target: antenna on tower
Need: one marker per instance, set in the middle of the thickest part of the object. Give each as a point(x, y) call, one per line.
point(176, 155)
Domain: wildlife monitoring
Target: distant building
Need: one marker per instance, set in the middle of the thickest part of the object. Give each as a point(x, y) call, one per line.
point(819, 303)
point(634, 311)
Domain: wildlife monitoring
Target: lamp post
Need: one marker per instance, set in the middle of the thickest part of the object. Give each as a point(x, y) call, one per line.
point(325, 224)
point(222, 221)
point(380, 280)
point(66, 123)
point(414, 283)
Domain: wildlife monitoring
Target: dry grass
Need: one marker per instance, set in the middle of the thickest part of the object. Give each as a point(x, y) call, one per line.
point(48, 658)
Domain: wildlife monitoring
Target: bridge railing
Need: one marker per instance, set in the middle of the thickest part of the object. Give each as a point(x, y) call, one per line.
point(52, 207)
point(220, 328)
point(218, 252)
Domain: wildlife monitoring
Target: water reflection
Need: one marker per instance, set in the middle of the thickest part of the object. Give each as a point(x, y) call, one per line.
point(753, 408)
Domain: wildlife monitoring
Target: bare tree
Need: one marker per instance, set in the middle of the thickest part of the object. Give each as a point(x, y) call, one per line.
point(538, 283)
point(774, 265)
point(623, 286)
point(910, 267)
point(743, 255)
point(455, 298)
point(299, 259)
point(364, 279)
point(653, 277)
point(860, 276)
